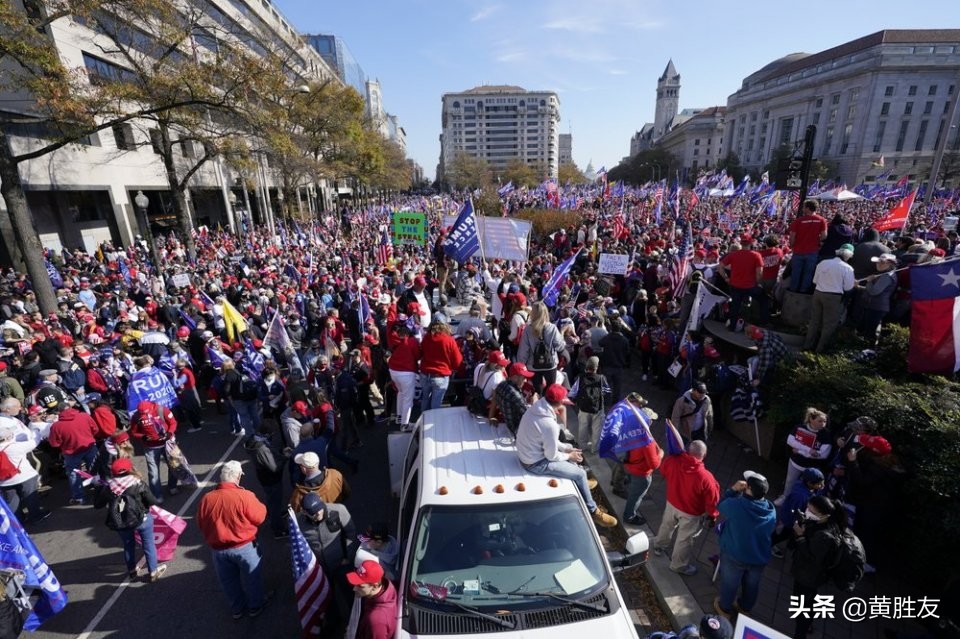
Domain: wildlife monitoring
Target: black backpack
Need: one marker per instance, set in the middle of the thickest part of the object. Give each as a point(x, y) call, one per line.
point(248, 388)
point(125, 511)
point(542, 356)
point(123, 418)
point(590, 394)
point(847, 571)
point(476, 402)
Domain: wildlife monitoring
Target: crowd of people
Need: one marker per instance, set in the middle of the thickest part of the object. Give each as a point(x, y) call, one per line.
point(314, 339)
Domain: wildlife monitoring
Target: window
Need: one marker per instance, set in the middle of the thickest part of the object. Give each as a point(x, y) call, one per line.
point(828, 140)
point(913, 90)
point(753, 116)
point(851, 111)
point(928, 107)
point(885, 108)
point(946, 107)
point(932, 90)
point(818, 103)
point(908, 108)
point(156, 141)
point(123, 136)
point(854, 94)
point(950, 90)
point(833, 115)
point(878, 142)
point(696, 151)
point(835, 98)
point(888, 91)
point(816, 118)
point(696, 142)
point(902, 136)
point(845, 141)
point(922, 133)
point(100, 71)
point(786, 131)
point(766, 115)
point(936, 143)
point(187, 149)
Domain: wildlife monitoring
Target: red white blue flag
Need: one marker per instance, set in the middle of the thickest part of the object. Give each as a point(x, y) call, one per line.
point(310, 583)
point(935, 318)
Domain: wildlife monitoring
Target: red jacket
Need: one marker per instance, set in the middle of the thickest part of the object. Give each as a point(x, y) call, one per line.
point(691, 488)
point(439, 355)
point(405, 356)
point(73, 432)
point(229, 516)
point(644, 460)
point(148, 425)
point(378, 615)
point(95, 381)
point(106, 421)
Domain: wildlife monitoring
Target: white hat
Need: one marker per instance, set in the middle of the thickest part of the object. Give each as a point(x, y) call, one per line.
point(307, 460)
point(384, 299)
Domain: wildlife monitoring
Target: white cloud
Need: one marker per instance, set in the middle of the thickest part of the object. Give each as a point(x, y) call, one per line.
point(511, 56)
point(485, 13)
point(575, 25)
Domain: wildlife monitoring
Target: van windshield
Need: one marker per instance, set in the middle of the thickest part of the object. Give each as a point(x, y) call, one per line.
point(494, 554)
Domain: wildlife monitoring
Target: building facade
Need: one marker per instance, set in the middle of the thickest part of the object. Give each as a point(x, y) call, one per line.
point(565, 149)
point(84, 193)
point(337, 55)
point(889, 94)
point(665, 111)
point(697, 141)
point(501, 123)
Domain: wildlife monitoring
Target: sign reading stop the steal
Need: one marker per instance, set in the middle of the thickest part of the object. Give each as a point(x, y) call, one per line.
point(409, 227)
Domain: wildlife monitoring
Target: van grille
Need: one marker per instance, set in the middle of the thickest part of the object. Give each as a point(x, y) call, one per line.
point(425, 621)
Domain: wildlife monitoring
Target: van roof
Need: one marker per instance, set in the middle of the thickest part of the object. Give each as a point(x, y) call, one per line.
point(460, 452)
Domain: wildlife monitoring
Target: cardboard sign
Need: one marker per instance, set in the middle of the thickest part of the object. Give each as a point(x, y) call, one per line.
point(181, 280)
point(613, 263)
point(409, 227)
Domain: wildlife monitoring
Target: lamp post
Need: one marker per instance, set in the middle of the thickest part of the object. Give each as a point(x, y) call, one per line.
point(143, 202)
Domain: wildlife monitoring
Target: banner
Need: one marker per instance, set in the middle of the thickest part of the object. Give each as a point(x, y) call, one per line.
point(150, 385)
point(503, 238)
point(613, 264)
point(463, 241)
point(167, 529)
point(409, 227)
point(55, 277)
point(625, 428)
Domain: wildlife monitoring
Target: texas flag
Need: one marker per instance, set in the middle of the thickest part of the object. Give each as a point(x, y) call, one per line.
point(935, 318)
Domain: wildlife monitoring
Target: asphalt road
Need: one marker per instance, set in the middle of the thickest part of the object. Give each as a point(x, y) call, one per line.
point(87, 557)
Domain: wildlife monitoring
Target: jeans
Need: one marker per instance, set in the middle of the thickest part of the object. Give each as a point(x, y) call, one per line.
point(432, 390)
point(72, 462)
point(637, 487)
point(153, 456)
point(406, 383)
point(238, 570)
point(802, 267)
point(24, 495)
point(869, 324)
point(566, 470)
point(614, 375)
point(147, 541)
point(589, 426)
point(190, 408)
point(734, 576)
point(246, 413)
point(542, 379)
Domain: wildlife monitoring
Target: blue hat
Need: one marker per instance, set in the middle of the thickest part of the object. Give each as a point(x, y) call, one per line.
point(811, 476)
point(312, 504)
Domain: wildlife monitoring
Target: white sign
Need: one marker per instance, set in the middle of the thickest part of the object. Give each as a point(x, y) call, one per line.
point(501, 237)
point(950, 223)
point(748, 628)
point(181, 280)
point(613, 263)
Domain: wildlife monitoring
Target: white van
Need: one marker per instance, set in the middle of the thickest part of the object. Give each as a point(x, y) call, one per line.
point(491, 548)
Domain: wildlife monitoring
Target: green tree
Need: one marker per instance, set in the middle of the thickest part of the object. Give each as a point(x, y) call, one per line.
point(645, 166)
point(822, 170)
point(466, 172)
point(733, 167)
point(570, 173)
point(520, 173)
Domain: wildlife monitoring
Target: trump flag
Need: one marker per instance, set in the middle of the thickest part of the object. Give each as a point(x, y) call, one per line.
point(463, 240)
point(935, 318)
point(625, 428)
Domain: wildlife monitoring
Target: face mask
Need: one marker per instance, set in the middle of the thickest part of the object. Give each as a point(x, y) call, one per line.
point(270, 380)
point(812, 516)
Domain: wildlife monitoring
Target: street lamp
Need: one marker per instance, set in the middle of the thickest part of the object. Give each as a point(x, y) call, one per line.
point(142, 202)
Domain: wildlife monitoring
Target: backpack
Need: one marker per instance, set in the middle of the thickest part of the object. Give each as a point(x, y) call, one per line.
point(125, 510)
point(847, 571)
point(346, 393)
point(5, 391)
point(248, 388)
point(476, 401)
point(123, 418)
point(542, 356)
point(590, 395)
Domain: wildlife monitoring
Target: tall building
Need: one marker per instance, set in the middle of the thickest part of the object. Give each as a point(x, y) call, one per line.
point(335, 51)
point(566, 149)
point(888, 94)
point(84, 193)
point(501, 123)
point(697, 141)
point(665, 111)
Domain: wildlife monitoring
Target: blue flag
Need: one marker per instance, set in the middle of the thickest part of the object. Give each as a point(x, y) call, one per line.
point(125, 271)
point(18, 552)
point(207, 301)
point(151, 385)
point(552, 288)
point(463, 239)
point(216, 357)
point(252, 361)
point(187, 320)
point(626, 427)
point(55, 278)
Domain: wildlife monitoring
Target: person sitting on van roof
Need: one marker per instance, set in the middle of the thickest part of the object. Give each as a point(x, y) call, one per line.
point(541, 452)
point(508, 397)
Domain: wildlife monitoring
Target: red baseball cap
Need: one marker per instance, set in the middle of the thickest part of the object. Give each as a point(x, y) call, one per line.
point(496, 357)
point(557, 394)
point(414, 308)
point(121, 466)
point(420, 281)
point(876, 444)
point(301, 407)
point(369, 572)
point(519, 368)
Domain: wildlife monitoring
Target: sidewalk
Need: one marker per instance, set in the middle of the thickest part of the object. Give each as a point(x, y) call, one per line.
point(688, 598)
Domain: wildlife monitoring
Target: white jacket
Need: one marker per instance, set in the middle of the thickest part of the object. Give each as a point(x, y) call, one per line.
point(17, 448)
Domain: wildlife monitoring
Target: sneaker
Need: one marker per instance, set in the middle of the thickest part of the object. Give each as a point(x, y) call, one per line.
point(156, 574)
point(603, 520)
point(720, 611)
point(635, 520)
point(687, 571)
point(134, 574)
point(237, 616)
point(592, 483)
point(44, 514)
point(174, 491)
point(658, 551)
point(238, 433)
point(254, 612)
point(194, 429)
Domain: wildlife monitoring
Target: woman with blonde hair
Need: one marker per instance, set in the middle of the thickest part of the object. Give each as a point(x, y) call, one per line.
point(540, 347)
point(810, 444)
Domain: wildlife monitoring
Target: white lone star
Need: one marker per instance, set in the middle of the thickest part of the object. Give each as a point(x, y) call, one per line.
point(952, 278)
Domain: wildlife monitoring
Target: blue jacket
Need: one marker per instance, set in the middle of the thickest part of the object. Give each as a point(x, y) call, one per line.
point(796, 500)
point(748, 528)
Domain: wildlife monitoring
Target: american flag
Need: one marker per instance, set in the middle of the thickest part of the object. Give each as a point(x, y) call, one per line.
point(680, 267)
point(311, 585)
point(385, 249)
point(619, 228)
point(658, 199)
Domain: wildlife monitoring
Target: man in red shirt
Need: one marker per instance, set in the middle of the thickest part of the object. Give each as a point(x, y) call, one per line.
point(439, 358)
point(378, 607)
point(229, 517)
point(155, 425)
point(742, 268)
point(806, 234)
point(74, 433)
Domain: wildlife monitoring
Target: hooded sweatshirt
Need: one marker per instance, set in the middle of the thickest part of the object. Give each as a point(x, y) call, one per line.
point(538, 436)
point(378, 616)
point(691, 488)
point(749, 525)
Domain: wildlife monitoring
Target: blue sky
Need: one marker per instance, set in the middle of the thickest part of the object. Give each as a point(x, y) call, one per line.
point(602, 57)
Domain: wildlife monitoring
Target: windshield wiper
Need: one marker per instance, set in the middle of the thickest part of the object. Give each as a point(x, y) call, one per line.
point(503, 623)
point(568, 600)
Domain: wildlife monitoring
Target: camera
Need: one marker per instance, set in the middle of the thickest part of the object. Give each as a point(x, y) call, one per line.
point(799, 518)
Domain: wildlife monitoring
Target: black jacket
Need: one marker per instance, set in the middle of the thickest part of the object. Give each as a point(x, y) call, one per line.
point(265, 460)
point(814, 553)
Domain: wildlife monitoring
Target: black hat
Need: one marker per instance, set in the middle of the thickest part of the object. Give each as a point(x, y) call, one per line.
point(758, 484)
point(715, 627)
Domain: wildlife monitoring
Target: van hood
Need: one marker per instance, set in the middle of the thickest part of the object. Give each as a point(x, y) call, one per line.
point(617, 625)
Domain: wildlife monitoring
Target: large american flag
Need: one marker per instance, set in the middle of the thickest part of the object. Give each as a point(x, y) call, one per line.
point(680, 267)
point(619, 228)
point(385, 249)
point(311, 585)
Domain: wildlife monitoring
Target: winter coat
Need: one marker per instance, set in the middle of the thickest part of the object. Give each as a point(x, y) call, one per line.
point(748, 528)
point(691, 488)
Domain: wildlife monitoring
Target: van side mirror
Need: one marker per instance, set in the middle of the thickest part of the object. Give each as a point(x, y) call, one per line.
point(636, 551)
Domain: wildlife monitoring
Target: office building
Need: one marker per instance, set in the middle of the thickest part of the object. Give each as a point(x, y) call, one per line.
point(337, 55)
point(696, 140)
point(565, 147)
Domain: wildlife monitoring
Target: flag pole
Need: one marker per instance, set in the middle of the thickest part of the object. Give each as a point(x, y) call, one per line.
point(476, 218)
